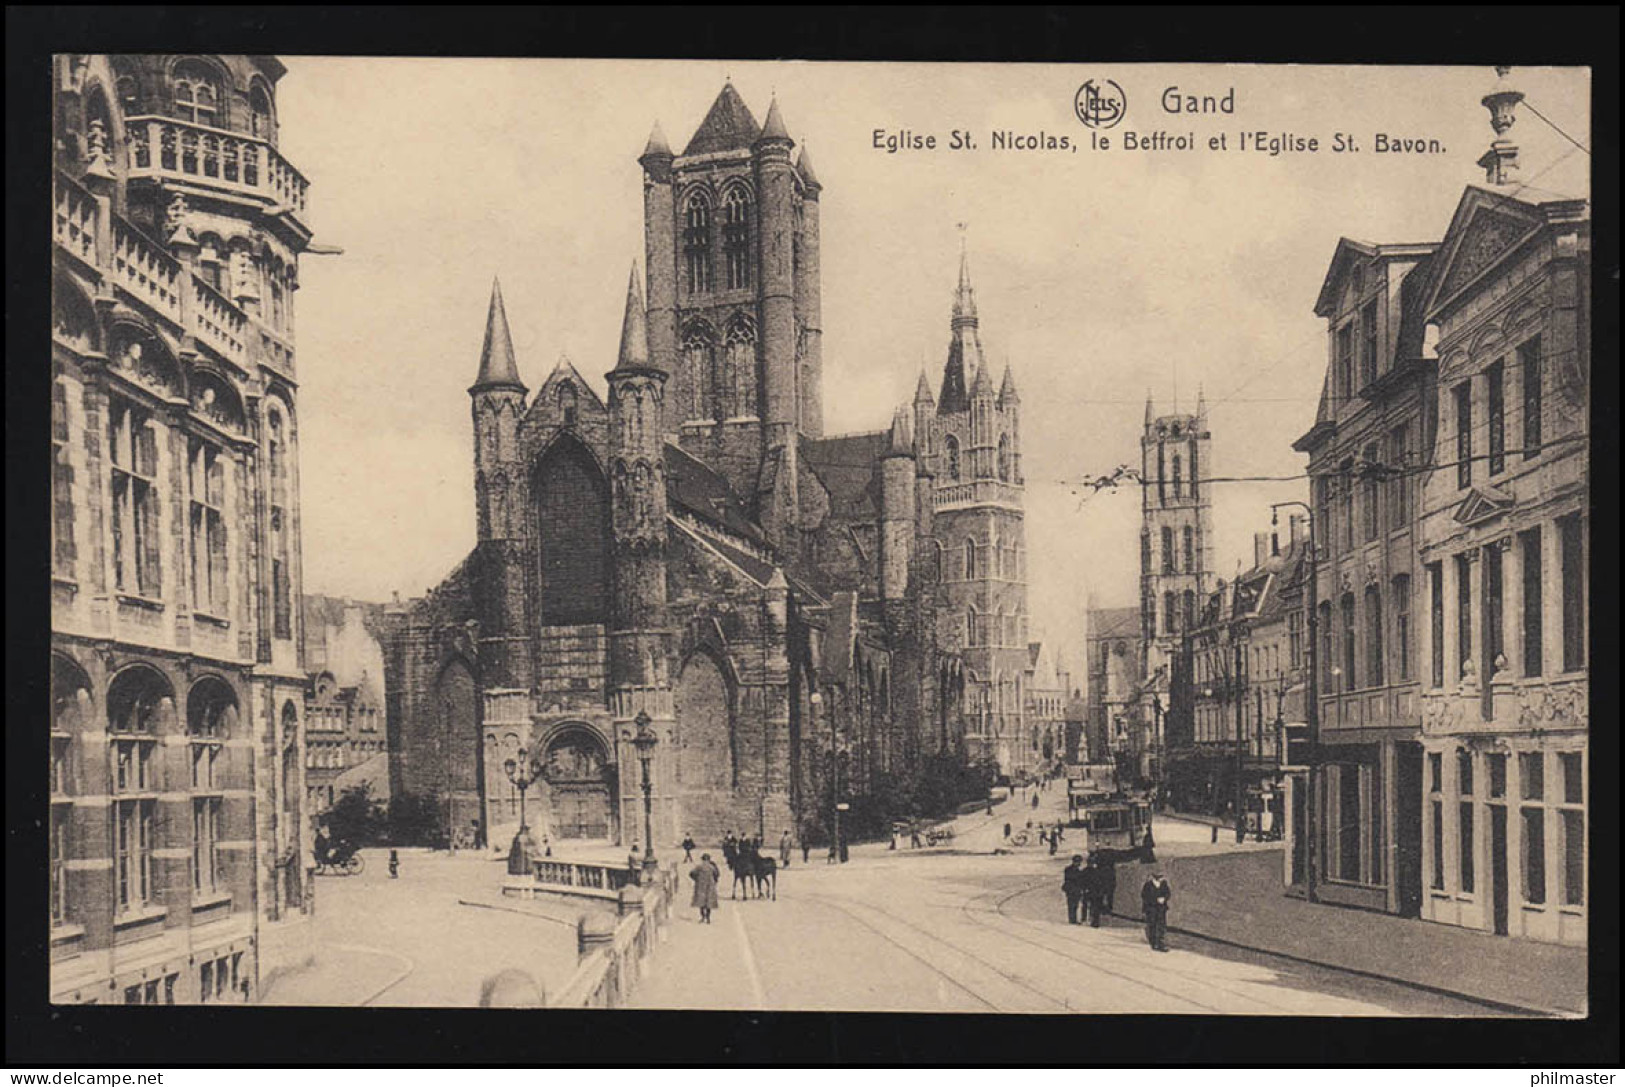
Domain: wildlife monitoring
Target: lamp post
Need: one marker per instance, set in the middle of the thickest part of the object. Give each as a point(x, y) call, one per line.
point(644, 740)
point(1313, 694)
point(522, 772)
point(835, 805)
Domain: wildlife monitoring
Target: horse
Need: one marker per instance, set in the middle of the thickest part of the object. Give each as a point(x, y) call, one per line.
point(751, 868)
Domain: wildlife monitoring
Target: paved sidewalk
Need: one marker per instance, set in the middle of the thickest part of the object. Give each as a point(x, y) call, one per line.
point(340, 976)
point(1238, 898)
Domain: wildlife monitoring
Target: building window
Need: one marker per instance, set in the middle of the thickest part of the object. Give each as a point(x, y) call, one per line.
point(1464, 435)
point(1533, 603)
point(1170, 613)
point(1345, 361)
point(1399, 480)
point(1294, 638)
point(1438, 844)
point(1373, 636)
point(1345, 491)
point(197, 94)
point(63, 552)
point(697, 245)
point(1573, 827)
point(698, 364)
point(1162, 474)
point(259, 113)
point(1498, 776)
point(1402, 625)
point(735, 239)
point(1436, 620)
point(1145, 554)
point(1464, 616)
point(1179, 478)
point(1435, 772)
point(1169, 555)
point(970, 560)
point(1328, 662)
point(1368, 343)
point(1190, 550)
point(1323, 507)
point(1494, 632)
point(1534, 855)
point(950, 445)
point(207, 483)
point(61, 822)
point(1350, 680)
point(1573, 777)
point(1532, 772)
point(1529, 365)
point(1004, 458)
point(1496, 378)
point(281, 572)
point(136, 545)
point(1572, 557)
point(971, 627)
point(205, 844)
point(1464, 830)
point(1371, 485)
point(133, 861)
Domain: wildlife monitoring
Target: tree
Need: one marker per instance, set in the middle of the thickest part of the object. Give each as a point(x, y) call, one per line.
point(356, 816)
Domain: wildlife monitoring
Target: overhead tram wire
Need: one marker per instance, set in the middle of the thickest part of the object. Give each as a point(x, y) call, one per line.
point(1553, 125)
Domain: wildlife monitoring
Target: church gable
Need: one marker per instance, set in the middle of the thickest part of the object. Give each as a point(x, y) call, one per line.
point(1485, 229)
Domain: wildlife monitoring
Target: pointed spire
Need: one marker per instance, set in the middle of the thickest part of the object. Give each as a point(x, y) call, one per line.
point(1150, 413)
point(634, 352)
point(657, 147)
point(1201, 406)
point(902, 437)
point(1007, 387)
point(982, 384)
point(773, 128)
point(804, 167)
point(922, 390)
point(497, 364)
point(728, 125)
point(964, 294)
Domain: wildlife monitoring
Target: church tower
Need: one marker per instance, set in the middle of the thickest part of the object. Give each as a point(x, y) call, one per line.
point(735, 311)
point(638, 638)
point(1176, 535)
point(971, 451)
point(498, 397)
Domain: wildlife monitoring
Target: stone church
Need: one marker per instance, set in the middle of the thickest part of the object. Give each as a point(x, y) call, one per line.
point(799, 615)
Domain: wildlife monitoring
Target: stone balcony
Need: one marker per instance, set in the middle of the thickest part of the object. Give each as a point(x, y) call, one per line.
point(979, 492)
point(170, 149)
point(126, 258)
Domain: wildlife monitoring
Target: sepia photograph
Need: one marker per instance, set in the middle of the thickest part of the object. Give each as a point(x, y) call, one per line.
point(827, 536)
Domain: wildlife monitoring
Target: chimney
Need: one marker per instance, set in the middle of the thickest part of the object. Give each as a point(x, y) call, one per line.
point(1261, 549)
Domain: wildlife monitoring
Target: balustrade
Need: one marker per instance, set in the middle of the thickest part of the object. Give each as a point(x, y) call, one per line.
point(977, 491)
point(74, 224)
point(219, 323)
point(167, 146)
point(142, 267)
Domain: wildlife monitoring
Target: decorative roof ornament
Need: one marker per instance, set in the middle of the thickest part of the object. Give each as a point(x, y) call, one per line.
point(1500, 162)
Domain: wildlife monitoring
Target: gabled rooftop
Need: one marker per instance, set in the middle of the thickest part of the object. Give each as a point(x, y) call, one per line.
point(728, 126)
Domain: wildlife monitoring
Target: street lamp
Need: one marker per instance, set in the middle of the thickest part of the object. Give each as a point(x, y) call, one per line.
point(835, 806)
point(522, 772)
point(645, 741)
point(1313, 694)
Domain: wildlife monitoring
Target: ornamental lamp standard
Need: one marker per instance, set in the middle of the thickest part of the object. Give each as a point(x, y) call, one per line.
point(644, 740)
point(522, 772)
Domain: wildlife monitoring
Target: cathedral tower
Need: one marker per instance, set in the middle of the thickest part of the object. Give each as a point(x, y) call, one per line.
point(731, 241)
point(498, 402)
point(1176, 536)
point(974, 461)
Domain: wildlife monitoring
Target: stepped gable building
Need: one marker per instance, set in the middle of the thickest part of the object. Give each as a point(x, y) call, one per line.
point(345, 739)
point(178, 834)
point(797, 614)
point(1114, 647)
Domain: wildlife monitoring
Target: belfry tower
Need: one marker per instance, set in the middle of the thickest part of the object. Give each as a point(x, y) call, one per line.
point(1176, 534)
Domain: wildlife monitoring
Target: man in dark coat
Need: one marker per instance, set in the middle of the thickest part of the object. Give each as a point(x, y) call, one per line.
point(1108, 884)
point(1154, 898)
point(688, 847)
point(1074, 886)
point(705, 876)
point(1094, 890)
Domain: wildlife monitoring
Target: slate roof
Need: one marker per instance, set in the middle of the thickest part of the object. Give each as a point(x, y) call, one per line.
point(497, 364)
point(694, 486)
point(846, 465)
point(727, 127)
point(1114, 623)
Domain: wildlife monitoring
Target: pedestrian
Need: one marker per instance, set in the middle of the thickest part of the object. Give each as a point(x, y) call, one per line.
point(1060, 835)
point(831, 858)
point(688, 848)
point(1054, 842)
point(1215, 838)
point(1241, 827)
point(1154, 898)
point(633, 861)
point(806, 850)
point(1035, 801)
point(1073, 885)
point(547, 846)
point(705, 876)
point(1007, 832)
point(914, 836)
point(394, 864)
point(1149, 847)
point(990, 807)
point(1094, 891)
point(893, 846)
point(784, 849)
point(730, 850)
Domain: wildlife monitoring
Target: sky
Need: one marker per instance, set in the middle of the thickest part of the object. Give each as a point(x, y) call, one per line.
point(1100, 275)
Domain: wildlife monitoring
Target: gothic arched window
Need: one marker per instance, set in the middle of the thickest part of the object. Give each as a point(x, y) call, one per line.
point(735, 239)
point(697, 244)
point(739, 380)
point(197, 93)
point(1170, 614)
point(1168, 557)
point(1178, 477)
point(259, 113)
point(950, 445)
point(699, 350)
point(1190, 551)
point(970, 560)
point(970, 626)
point(1004, 458)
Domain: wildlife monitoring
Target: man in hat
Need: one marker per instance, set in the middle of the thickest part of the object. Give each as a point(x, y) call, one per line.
point(1154, 898)
point(1074, 884)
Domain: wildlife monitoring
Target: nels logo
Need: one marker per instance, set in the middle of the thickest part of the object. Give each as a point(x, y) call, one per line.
point(1100, 103)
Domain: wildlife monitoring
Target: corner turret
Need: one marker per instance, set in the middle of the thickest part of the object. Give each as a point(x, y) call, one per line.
point(498, 368)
